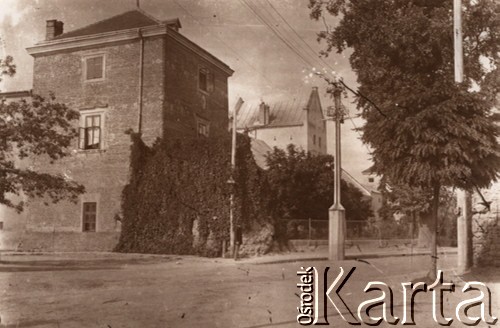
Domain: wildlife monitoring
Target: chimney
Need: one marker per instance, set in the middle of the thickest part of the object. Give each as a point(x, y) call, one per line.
point(53, 28)
point(263, 113)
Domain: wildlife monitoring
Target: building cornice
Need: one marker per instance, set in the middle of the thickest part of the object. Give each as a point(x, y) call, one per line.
point(57, 45)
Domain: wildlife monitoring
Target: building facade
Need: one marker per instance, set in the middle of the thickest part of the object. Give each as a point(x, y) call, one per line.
point(297, 123)
point(130, 72)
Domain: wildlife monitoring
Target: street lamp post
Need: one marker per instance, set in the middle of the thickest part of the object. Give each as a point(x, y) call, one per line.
point(336, 213)
point(464, 221)
point(231, 182)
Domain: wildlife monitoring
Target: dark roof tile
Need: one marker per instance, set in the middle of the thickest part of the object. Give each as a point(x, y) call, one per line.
point(128, 20)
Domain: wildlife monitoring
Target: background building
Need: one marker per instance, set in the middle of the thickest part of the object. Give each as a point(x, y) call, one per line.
point(302, 124)
point(292, 122)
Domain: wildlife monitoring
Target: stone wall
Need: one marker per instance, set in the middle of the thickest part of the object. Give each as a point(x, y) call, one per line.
point(486, 228)
point(56, 241)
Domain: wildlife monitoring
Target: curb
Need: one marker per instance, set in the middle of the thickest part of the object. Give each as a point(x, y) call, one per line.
point(350, 257)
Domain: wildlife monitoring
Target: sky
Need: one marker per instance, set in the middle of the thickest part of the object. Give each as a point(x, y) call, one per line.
point(266, 69)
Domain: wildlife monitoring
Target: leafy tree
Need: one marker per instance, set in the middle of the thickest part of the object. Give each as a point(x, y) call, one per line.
point(414, 203)
point(425, 131)
point(301, 187)
point(41, 127)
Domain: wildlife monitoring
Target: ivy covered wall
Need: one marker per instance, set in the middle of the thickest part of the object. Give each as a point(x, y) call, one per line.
point(177, 199)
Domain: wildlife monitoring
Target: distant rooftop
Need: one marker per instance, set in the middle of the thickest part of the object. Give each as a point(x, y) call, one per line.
point(289, 112)
point(260, 150)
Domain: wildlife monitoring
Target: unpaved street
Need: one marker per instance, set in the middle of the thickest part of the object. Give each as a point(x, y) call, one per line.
point(120, 290)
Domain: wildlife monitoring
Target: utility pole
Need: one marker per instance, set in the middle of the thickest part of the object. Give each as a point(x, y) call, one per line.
point(336, 213)
point(464, 197)
point(231, 182)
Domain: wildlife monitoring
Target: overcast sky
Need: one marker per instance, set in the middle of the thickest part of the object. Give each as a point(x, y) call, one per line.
point(265, 67)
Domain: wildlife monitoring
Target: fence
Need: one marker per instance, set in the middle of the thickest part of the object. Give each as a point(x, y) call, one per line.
point(311, 229)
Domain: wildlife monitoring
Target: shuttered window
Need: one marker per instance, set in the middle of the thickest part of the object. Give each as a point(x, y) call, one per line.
point(205, 80)
point(89, 217)
point(94, 68)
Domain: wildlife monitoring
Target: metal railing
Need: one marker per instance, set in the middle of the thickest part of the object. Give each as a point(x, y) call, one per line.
point(312, 229)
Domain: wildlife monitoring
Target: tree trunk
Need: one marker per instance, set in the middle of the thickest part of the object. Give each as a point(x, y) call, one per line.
point(424, 230)
point(434, 227)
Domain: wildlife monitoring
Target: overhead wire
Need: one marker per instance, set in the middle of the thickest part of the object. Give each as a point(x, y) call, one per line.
point(308, 47)
point(323, 62)
point(224, 43)
point(297, 34)
point(277, 33)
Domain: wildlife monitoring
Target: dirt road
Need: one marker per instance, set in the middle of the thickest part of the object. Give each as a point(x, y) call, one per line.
point(118, 290)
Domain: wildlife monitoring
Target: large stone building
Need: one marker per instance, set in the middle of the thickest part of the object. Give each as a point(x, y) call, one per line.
point(128, 72)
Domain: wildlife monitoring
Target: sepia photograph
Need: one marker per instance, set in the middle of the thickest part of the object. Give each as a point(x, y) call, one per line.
point(249, 163)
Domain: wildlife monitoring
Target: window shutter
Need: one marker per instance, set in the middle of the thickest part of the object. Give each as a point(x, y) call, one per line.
point(203, 80)
point(94, 68)
point(81, 138)
point(88, 138)
point(97, 136)
point(210, 79)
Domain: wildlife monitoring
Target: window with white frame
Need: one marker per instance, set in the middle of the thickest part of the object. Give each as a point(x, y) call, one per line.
point(91, 130)
point(94, 68)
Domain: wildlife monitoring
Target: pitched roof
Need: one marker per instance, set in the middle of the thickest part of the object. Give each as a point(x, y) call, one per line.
point(350, 179)
point(287, 113)
point(131, 19)
point(260, 149)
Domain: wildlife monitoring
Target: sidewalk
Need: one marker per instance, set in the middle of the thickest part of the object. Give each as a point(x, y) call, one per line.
point(318, 253)
point(352, 253)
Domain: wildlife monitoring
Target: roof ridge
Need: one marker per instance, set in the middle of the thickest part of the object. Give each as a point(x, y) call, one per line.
point(309, 100)
point(148, 15)
point(314, 92)
point(360, 185)
point(109, 18)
